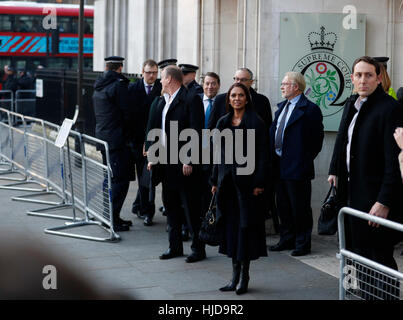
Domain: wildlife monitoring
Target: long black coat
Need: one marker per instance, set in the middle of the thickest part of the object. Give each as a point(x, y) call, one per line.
point(243, 219)
point(245, 183)
point(374, 167)
point(188, 111)
point(261, 105)
point(111, 109)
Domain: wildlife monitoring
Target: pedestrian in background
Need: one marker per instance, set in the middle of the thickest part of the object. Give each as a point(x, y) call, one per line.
point(296, 138)
point(141, 95)
point(112, 117)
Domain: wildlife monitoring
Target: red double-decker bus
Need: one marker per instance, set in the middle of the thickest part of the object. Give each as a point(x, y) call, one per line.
point(26, 38)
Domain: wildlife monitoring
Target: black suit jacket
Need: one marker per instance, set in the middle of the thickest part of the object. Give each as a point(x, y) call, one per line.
point(188, 111)
point(140, 104)
point(261, 105)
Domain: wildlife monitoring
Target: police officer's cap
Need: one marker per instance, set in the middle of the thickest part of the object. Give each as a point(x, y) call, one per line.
point(382, 60)
point(187, 68)
point(167, 62)
point(114, 59)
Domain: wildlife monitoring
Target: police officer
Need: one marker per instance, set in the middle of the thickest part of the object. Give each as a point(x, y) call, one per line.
point(189, 76)
point(112, 125)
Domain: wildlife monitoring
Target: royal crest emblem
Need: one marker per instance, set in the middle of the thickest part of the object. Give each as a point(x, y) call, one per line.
point(327, 75)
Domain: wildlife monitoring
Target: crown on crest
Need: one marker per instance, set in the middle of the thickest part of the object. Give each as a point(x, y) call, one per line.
point(322, 40)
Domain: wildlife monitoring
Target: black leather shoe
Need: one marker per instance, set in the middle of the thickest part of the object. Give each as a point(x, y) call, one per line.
point(169, 254)
point(300, 252)
point(196, 256)
point(125, 222)
point(282, 246)
point(120, 227)
point(148, 221)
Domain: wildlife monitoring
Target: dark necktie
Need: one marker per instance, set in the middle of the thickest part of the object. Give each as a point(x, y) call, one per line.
point(278, 142)
point(208, 111)
point(148, 87)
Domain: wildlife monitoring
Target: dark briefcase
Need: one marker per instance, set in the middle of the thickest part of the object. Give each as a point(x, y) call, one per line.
point(327, 223)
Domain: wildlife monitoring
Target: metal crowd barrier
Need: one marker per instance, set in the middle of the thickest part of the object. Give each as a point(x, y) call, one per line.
point(41, 162)
point(94, 191)
point(362, 278)
point(18, 156)
point(25, 102)
point(6, 102)
point(81, 180)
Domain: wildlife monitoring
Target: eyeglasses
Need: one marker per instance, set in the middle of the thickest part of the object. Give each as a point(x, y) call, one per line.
point(283, 84)
point(241, 79)
point(150, 72)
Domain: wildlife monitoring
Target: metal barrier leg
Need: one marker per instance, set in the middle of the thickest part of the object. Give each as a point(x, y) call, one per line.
point(11, 170)
point(27, 198)
point(113, 237)
point(15, 186)
point(42, 213)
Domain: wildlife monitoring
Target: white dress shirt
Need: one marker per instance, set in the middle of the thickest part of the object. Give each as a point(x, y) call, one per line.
point(358, 104)
point(168, 101)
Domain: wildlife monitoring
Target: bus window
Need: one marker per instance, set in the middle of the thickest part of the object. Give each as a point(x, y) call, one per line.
point(88, 25)
point(5, 22)
point(64, 24)
point(37, 24)
point(22, 24)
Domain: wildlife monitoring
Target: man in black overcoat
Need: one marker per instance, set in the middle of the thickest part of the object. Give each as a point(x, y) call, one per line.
point(180, 180)
point(112, 119)
point(141, 95)
point(365, 164)
point(296, 138)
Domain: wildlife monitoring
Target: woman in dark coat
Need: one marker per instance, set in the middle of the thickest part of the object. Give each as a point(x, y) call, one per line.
point(239, 194)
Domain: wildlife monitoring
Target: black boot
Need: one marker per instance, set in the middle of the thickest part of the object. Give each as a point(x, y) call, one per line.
point(243, 283)
point(236, 272)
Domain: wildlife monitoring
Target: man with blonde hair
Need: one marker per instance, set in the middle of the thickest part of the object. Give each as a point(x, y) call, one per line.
point(296, 137)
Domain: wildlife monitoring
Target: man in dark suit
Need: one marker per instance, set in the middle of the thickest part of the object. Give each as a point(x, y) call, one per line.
point(189, 78)
point(211, 86)
point(296, 138)
point(141, 94)
point(365, 166)
point(111, 107)
point(180, 180)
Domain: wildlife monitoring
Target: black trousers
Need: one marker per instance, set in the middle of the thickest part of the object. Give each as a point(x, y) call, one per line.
point(119, 185)
point(293, 200)
point(182, 202)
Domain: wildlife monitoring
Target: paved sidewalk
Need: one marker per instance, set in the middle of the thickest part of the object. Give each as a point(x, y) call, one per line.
point(131, 266)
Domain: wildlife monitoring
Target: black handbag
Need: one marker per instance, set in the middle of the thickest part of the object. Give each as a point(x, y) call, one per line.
point(210, 231)
point(327, 223)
